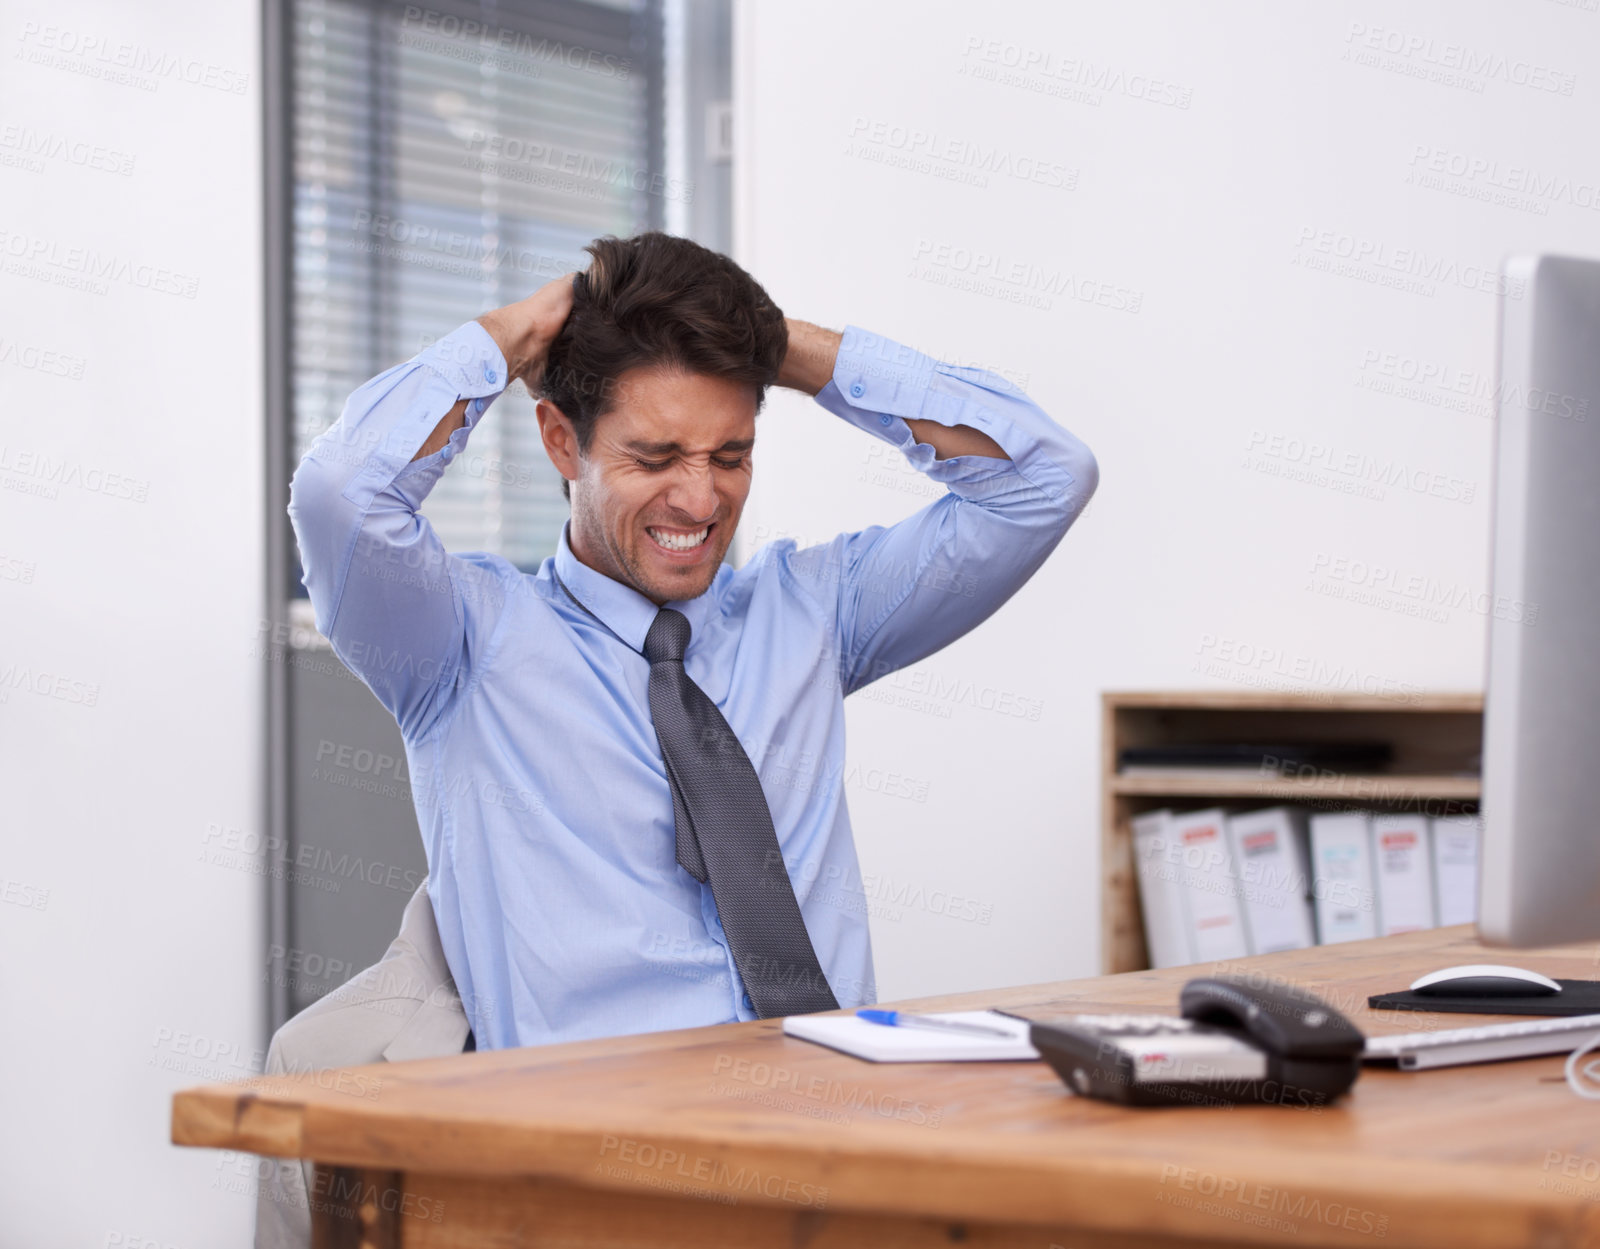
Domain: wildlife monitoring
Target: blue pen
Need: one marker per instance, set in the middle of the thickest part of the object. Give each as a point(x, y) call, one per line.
point(899, 1019)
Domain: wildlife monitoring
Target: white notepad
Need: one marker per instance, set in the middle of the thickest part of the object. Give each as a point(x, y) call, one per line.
point(880, 1044)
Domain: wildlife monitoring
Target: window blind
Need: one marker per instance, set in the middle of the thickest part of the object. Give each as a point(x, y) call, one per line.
point(449, 160)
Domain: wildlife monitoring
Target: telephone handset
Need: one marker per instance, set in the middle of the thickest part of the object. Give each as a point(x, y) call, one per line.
point(1235, 1042)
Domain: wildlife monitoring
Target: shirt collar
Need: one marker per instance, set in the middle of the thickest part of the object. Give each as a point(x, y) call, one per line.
point(621, 608)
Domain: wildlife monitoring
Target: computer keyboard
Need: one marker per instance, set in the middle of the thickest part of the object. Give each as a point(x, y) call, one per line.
point(1450, 1047)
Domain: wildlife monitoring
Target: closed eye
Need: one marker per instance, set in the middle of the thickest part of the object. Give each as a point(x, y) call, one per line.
point(655, 466)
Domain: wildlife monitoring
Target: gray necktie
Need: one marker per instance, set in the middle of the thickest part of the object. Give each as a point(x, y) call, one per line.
point(725, 834)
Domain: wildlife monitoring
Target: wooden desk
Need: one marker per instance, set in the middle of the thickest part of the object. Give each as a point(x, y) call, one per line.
point(737, 1135)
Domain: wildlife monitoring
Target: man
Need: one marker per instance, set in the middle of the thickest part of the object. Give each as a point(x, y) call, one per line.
point(628, 765)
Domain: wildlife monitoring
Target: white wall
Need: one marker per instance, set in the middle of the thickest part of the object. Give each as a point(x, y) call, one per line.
point(1228, 152)
point(130, 594)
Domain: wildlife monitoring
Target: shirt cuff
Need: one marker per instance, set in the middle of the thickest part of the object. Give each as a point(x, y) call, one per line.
point(470, 362)
point(469, 357)
point(877, 383)
point(882, 376)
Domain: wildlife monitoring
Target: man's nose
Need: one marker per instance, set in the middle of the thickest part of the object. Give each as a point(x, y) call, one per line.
point(694, 491)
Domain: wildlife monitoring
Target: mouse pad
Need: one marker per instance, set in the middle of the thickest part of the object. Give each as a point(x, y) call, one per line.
point(1577, 997)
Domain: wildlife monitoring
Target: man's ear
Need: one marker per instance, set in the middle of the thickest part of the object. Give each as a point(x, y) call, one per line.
point(560, 438)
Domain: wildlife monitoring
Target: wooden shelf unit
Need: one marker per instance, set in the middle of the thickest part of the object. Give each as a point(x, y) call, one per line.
point(1436, 739)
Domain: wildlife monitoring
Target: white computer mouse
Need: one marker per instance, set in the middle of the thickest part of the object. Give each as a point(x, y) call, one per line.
point(1485, 980)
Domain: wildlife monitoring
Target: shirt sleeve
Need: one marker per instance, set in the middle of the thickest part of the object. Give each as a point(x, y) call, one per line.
point(904, 591)
point(393, 602)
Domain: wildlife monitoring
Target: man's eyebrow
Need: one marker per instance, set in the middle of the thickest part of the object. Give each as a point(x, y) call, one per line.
point(673, 448)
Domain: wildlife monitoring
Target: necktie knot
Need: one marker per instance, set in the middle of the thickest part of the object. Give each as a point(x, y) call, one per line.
point(668, 638)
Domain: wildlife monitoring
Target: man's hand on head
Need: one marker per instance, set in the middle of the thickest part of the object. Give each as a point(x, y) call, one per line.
point(524, 330)
point(808, 363)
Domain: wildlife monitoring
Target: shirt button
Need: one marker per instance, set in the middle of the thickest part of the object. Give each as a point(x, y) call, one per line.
point(478, 405)
point(489, 375)
point(884, 420)
point(857, 389)
point(748, 1004)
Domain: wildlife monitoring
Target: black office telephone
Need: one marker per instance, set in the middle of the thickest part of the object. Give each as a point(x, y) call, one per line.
point(1236, 1042)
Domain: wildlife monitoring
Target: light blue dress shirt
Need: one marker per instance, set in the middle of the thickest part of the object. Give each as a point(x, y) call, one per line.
point(536, 772)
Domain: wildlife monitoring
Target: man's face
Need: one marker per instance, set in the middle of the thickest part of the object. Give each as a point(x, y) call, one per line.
point(660, 489)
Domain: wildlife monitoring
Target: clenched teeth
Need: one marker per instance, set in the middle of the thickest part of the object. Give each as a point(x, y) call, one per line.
point(679, 542)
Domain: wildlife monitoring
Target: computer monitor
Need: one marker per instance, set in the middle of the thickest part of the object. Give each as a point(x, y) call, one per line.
point(1540, 878)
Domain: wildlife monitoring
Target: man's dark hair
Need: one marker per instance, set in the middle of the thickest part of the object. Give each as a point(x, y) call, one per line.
point(657, 299)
